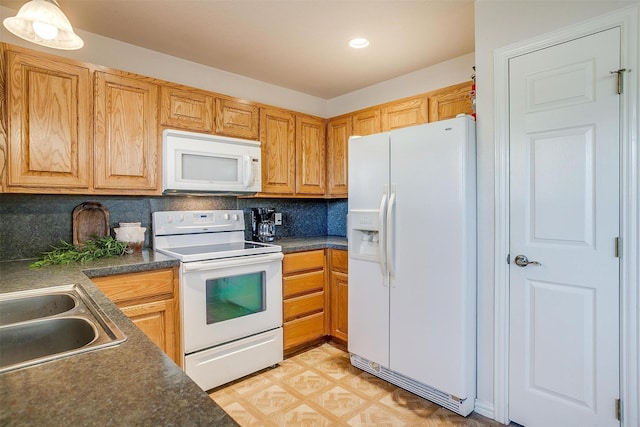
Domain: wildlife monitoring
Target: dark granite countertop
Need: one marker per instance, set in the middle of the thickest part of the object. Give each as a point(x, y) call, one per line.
point(299, 244)
point(133, 383)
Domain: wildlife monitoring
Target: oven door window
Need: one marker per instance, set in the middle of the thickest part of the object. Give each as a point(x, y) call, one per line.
point(235, 296)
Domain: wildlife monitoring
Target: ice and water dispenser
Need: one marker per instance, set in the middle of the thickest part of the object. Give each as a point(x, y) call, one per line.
point(364, 235)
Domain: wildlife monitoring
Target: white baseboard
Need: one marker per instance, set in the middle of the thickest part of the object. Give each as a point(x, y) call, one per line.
point(484, 408)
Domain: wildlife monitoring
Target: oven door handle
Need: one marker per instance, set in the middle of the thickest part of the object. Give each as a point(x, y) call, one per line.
point(241, 261)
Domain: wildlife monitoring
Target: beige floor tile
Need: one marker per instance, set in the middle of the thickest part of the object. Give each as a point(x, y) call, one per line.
point(319, 387)
point(339, 401)
point(376, 415)
point(304, 416)
point(307, 382)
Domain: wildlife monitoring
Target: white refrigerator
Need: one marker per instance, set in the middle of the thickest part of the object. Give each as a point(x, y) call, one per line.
point(412, 259)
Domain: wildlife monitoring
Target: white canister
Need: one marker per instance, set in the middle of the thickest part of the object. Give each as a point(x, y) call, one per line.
point(132, 234)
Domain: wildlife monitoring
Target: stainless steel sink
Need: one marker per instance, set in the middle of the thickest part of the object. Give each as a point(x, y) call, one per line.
point(45, 324)
point(34, 307)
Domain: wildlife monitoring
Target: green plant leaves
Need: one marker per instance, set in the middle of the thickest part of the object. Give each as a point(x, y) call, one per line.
point(66, 253)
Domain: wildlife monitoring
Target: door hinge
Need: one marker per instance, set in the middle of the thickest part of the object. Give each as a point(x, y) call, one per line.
point(617, 249)
point(508, 258)
point(620, 74)
point(618, 410)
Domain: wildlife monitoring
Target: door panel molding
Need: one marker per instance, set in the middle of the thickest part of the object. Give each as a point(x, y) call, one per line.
point(627, 19)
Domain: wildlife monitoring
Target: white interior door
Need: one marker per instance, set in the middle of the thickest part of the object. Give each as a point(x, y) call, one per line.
point(564, 214)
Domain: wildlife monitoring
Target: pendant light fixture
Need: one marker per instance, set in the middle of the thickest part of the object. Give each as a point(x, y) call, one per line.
point(42, 22)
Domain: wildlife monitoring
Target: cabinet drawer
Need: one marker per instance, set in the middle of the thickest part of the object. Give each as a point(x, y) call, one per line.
point(301, 261)
point(339, 260)
point(303, 283)
point(306, 304)
point(303, 330)
point(123, 287)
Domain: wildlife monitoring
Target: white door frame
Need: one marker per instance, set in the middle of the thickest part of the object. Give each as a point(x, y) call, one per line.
point(628, 21)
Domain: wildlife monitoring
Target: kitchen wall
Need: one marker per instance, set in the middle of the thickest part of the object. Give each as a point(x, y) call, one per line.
point(30, 224)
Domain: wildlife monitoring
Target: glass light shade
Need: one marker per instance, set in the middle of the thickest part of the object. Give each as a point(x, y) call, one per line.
point(43, 23)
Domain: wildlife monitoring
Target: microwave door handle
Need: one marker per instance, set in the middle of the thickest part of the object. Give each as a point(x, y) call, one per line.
point(246, 179)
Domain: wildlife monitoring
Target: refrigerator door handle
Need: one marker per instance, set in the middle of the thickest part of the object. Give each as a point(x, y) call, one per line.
point(389, 236)
point(381, 236)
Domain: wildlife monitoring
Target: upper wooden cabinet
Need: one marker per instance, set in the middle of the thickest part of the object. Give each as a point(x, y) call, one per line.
point(49, 125)
point(126, 135)
point(448, 102)
point(310, 155)
point(403, 113)
point(188, 109)
point(69, 138)
point(366, 122)
point(393, 115)
point(79, 128)
point(277, 137)
point(338, 133)
point(237, 118)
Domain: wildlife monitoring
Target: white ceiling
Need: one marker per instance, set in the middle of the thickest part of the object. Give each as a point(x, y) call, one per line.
point(296, 44)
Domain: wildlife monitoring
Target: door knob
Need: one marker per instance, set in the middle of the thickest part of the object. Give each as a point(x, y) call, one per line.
point(523, 261)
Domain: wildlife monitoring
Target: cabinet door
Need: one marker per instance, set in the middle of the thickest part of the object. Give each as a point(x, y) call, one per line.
point(235, 118)
point(126, 135)
point(409, 112)
point(450, 101)
point(366, 122)
point(49, 125)
point(156, 319)
point(339, 282)
point(150, 299)
point(186, 109)
point(339, 305)
point(310, 155)
point(338, 133)
point(277, 135)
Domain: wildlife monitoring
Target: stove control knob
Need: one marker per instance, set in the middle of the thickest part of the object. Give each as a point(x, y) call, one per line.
point(181, 218)
point(169, 219)
point(226, 217)
point(235, 217)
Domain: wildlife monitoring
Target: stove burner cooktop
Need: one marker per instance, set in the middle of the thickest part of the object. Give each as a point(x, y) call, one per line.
point(217, 251)
point(204, 235)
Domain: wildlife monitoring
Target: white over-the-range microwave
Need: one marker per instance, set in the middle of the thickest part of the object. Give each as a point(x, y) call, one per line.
point(201, 163)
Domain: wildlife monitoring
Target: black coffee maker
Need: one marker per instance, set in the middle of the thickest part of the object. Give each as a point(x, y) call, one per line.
point(262, 225)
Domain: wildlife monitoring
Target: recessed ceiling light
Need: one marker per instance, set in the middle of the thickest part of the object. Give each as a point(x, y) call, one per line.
point(358, 43)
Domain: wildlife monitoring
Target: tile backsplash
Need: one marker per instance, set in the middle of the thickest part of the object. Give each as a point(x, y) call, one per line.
point(31, 224)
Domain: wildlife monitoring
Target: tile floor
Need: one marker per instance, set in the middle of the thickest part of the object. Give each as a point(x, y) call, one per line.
point(319, 387)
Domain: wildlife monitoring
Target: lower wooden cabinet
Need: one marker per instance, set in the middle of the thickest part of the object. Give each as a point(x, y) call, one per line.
point(339, 290)
point(150, 300)
point(315, 297)
point(304, 298)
